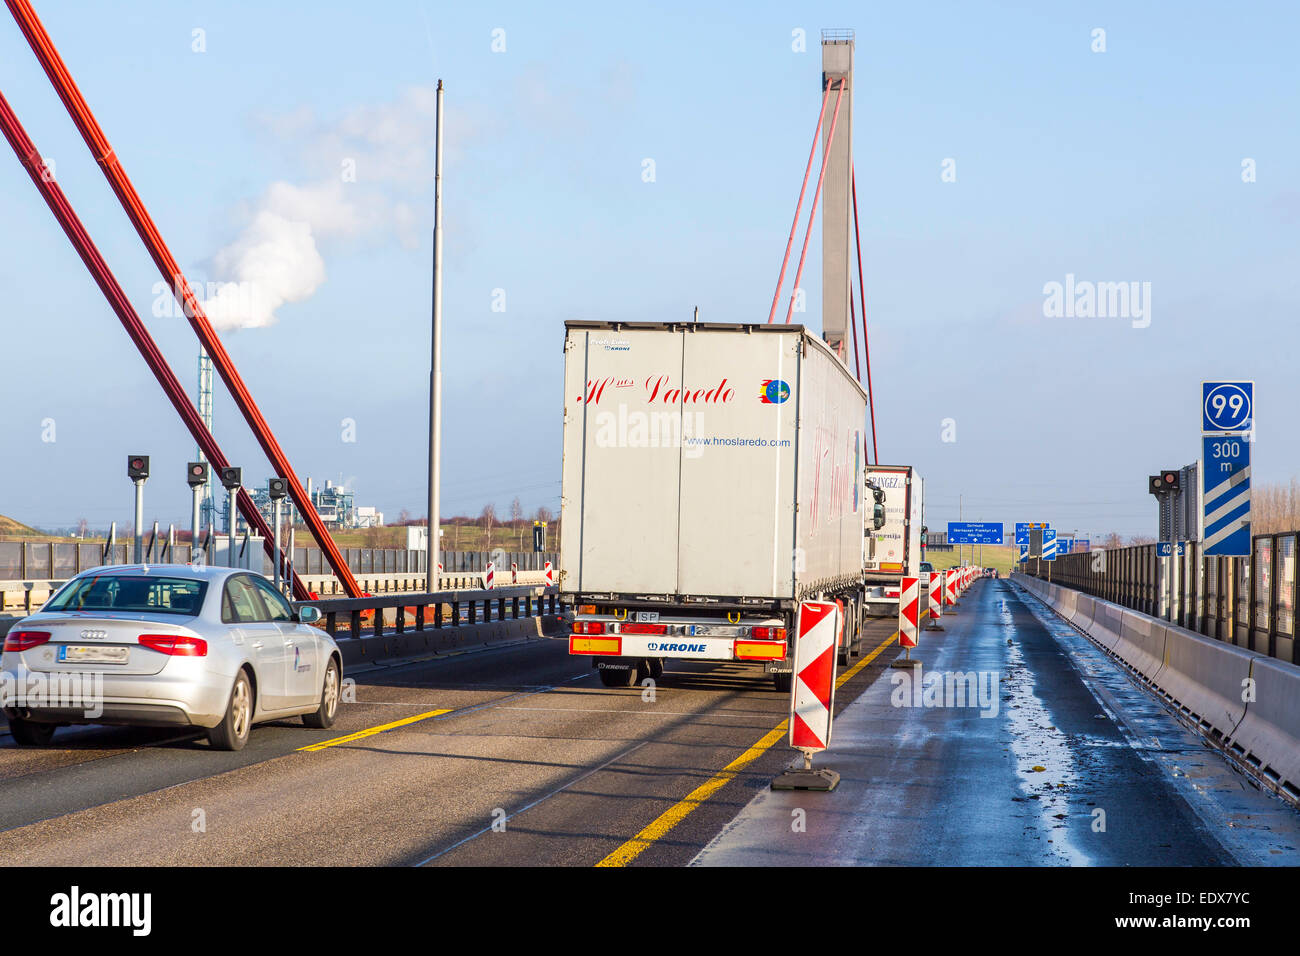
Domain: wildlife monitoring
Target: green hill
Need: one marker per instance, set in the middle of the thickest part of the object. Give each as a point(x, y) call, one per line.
point(13, 529)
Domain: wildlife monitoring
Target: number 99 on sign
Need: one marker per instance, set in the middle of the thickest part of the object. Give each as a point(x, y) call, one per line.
point(1227, 406)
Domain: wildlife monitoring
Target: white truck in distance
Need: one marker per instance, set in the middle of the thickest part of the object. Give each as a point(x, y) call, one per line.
point(712, 479)
point(894, 551)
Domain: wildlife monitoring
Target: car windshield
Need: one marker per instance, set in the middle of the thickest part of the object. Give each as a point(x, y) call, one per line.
point(146, 593)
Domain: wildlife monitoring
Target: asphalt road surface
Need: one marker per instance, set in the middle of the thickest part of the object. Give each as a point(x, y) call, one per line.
point(510, 755)
point(516, 755)
point(1058, 758)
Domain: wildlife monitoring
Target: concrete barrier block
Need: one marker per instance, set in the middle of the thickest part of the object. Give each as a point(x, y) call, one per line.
point(1269, 735)
point(1107, 622)
point(1085, 610)
point(1141, 643)
point(1206, 679)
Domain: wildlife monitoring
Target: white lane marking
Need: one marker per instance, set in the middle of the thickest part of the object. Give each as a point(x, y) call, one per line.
point(578, 779)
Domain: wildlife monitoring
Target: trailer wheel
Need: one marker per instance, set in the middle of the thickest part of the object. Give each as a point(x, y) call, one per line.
point(617, 677)
point(656, 667)
point(783, 682)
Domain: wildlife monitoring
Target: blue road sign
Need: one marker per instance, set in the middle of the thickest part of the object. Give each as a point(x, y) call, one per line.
point(974, 532)
point(1024, 551)
point(1082, 544)
point(1022, 530)
point(1049, 544)
point(1226, 492)
point(1182, 548)
point(1227, 406)
point(1164, 549)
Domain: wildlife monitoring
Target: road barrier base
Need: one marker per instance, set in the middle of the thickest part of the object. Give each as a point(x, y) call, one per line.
point(822, 780)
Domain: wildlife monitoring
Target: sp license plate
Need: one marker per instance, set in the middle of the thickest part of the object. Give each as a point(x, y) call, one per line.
point(647, 617)
point(72, 654)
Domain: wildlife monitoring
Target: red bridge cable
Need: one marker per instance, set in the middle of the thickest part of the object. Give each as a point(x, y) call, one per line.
point(866, 347)
point(103, 153)
point(794, 226)
point(812, 216)
point(117, 299)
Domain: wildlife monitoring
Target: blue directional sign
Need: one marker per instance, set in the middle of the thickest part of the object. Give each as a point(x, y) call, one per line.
point(1049, 544)
point(1227, 406)
point(1164, 549)
point(1024, 551)
point(1226, 492)
point(1022, 530)
point(974, 532)
point(1082, 544)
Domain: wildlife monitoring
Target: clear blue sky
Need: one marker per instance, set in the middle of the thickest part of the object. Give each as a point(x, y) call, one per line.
point(1115, 166)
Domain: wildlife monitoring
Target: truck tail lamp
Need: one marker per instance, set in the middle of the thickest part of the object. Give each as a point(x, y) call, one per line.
point(760, 650)
point(607, 646)
point(588, 627)
point(764, 633)
point(635, 628)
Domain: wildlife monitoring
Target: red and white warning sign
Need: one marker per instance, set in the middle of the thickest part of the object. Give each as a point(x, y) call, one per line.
point(815, 657)
point(550, 574)
point(490, 577)
point(950, 587)
point(935, 605)
point(514, 572)
point(908, 609)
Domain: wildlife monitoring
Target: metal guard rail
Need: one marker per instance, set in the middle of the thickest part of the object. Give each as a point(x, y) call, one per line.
point(512, 603)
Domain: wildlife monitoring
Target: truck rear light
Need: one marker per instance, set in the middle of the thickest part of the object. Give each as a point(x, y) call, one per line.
point(175, 645)
point(635, 628)
point(764, 633)
point(25, 640)
point(607, 646)
point(588, 627)
point(760, 650)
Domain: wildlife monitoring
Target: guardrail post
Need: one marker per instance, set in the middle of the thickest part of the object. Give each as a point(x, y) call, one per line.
point(356, 625)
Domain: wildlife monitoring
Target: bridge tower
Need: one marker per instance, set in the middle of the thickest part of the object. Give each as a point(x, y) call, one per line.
point(837, 195)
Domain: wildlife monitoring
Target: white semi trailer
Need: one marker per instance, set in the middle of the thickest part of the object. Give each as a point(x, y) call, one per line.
point(894, 550)
point(713, 479)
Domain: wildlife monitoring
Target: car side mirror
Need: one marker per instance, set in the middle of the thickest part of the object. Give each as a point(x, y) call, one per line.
point(308, 615)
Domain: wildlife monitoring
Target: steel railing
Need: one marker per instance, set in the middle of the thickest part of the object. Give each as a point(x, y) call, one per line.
point(1248, 601)
point(434, 611)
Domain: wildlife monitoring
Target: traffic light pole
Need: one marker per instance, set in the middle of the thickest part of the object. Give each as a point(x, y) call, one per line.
point(230, 528)
point(194, 523)
point(139, 521)
point(275, 524)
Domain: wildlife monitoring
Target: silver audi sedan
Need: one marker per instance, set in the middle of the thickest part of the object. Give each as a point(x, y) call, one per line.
point(168, 645)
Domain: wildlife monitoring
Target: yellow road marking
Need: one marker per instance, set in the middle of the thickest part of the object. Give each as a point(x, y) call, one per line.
point(371, 731)
point(678, 812)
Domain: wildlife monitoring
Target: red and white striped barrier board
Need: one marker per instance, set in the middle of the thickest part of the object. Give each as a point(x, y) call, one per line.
point(490, 576)
point(440, 567)
point(908, 609)
point(813, 698)
point(550, 574)
point(935, 606)
point(950, 587)
point(514, 572)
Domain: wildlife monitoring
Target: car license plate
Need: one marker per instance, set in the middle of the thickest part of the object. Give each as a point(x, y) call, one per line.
point(647, 617)
point(72, 654)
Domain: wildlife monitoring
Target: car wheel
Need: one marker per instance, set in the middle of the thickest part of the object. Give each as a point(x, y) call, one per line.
point(324, 715)
point(28, 733)
point(232, 732)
